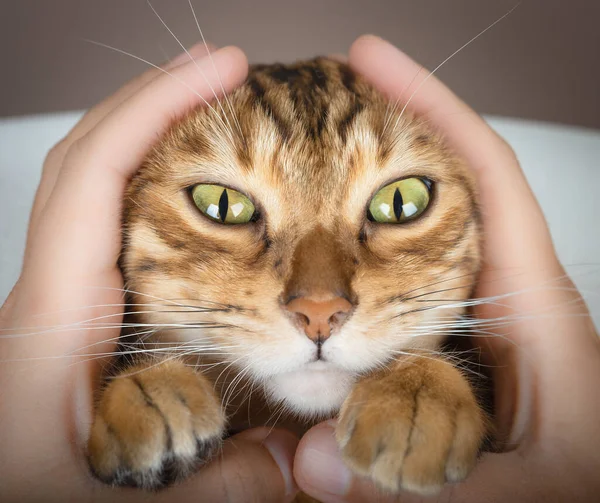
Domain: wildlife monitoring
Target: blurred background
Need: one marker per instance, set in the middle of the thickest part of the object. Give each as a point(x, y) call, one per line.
point(541, 62)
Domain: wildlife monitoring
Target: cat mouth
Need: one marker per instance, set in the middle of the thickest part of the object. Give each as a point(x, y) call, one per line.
point(319, 356)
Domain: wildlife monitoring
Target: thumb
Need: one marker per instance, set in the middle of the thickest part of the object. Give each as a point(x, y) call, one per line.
point(318, 467)
point(255, 465)
point(321, 473)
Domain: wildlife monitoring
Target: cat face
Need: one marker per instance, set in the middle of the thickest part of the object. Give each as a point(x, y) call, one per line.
point(300, 232)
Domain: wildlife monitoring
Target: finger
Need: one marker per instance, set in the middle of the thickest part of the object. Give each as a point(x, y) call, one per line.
point(55, 157)
point(519, 261)
point(70, 275)
point(85, 205)
point(99, 111)
point(516, 233)
point(318, 468)
point(255, 465)
point(78, 239)
point(320, 472)
point(71, 264)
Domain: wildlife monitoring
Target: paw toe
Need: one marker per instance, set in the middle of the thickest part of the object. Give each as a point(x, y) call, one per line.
point(151, 430)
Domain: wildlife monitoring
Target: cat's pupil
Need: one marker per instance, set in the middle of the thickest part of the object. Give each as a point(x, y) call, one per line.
point(223, 205)
point(398, 202)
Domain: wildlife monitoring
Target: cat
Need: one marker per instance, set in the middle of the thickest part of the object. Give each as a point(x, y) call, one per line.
point(288, 244)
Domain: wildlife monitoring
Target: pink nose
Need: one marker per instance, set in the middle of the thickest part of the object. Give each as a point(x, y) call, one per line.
point(318, 317)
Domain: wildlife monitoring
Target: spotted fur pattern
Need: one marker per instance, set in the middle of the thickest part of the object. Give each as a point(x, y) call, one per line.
point(309, 144)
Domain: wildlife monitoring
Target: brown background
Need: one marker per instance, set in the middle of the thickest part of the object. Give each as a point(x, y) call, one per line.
point(541, 62)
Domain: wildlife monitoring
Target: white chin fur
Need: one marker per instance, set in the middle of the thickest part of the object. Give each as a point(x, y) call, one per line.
point(313, 391)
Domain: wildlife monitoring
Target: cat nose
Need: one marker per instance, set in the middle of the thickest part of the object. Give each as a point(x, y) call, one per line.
point(318, 317)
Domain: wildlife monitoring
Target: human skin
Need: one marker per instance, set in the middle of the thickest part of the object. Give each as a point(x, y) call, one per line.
point(546, 363)
point(546, 366)
point(70, 274)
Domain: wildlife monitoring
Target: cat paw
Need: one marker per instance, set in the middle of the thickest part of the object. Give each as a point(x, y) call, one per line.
point(413, 428)
point(154, 425)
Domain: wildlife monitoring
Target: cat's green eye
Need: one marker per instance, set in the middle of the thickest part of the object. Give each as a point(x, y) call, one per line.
point(223, 205)
point(400, 201)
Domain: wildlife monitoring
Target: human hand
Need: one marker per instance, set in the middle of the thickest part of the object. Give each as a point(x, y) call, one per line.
point(545, 352)
point(70, 278)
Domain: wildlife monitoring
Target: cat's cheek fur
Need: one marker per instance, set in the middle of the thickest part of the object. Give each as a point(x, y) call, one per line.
point(311, 392)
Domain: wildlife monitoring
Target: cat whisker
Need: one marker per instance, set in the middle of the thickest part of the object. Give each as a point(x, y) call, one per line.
point(174, 300)
point(492, 300)
point(227, 100)
point(403, 296)
point(87, 325)
point(92, 325)
point(196, 343)
point(437, 282)
point(145, 351)
point(439, 356)
point(230, 130)
point(227, 397)
point(460, 49)
point(501, 321)
point(454, 288)
point(248, 398)
point(228, 367)
point(162, 361)
point(397, 101)
point(248, 388)
point(98, 306)
point(275, 416)
point(166, 72)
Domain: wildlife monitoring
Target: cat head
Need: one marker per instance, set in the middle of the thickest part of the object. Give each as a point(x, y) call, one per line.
point(298, 230)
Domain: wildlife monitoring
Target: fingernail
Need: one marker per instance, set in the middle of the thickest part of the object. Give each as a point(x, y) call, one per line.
point(375, 39)
point(196, 51)
point(282, 446)
point(322, 465)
